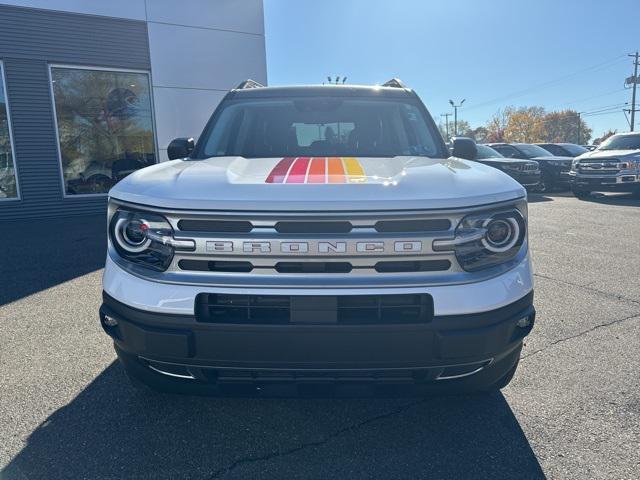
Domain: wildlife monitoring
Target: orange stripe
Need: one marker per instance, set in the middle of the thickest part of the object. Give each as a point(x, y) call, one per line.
point(317, 170)
point(336, 170)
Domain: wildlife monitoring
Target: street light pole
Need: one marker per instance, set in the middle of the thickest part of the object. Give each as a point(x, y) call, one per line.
point(455, 115)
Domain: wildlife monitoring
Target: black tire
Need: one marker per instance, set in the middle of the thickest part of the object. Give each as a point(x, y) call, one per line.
point(579, 193)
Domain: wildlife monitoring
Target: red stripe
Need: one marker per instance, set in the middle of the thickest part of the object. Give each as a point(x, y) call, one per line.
point(279, 172)
point(298, 172)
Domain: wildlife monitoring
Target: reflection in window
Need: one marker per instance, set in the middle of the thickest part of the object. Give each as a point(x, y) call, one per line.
point(8, 186)
point(105, 126)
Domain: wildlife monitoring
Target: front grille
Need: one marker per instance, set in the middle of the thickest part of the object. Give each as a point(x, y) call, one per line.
point(314, 249)
point(215, 226)
point(602, 167)
point(412, 226)
point(310, 310)
point(310, 267)
point(530, 167)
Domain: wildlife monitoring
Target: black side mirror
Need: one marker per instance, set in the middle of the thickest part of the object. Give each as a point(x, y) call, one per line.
point(180, 148)
point(464, 147)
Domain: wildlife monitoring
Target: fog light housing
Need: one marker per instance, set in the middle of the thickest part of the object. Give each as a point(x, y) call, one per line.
point(110, 321)
point(524, 322)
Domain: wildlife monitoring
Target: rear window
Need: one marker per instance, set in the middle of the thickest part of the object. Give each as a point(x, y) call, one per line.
point(319, 126)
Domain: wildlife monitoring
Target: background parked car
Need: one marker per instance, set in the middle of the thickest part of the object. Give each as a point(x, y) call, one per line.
point(526, 172)
point(613, 167)
point(554, 169)
point(563, 149)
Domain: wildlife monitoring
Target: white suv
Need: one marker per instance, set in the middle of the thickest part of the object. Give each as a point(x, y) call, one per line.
point(318, 234)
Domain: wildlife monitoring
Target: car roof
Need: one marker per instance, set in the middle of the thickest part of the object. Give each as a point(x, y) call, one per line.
point(322, 90)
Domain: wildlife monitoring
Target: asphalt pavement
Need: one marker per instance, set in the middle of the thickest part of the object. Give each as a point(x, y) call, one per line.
point(572, 411)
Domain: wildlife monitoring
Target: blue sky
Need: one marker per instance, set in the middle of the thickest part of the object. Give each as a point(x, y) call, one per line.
point(556, 54)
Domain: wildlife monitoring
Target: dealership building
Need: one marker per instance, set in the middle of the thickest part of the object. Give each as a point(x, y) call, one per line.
point(92, 90)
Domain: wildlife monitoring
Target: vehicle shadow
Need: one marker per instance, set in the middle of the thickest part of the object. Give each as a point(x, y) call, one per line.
point(625, 200)
point(38, 254)
point(112, 431)
point(535, 197)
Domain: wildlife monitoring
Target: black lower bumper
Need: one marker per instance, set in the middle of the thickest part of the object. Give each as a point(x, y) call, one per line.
point(446, 347)
point(606, 184)
point(526, 179)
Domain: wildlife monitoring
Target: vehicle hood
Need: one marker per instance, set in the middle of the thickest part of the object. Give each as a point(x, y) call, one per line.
point(509, 161)
point(554, 157)
point(597, 154)
point(331, 184)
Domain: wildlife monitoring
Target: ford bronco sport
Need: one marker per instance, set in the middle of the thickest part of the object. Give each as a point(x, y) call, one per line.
point(318, 234)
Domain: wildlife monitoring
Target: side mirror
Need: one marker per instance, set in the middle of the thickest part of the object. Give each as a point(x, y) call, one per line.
point(464, 148)
point(180, 148)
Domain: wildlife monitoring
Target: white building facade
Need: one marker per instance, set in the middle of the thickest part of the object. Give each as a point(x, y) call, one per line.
point(94, 89)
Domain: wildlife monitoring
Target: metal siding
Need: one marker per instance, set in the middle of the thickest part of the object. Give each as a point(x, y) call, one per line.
point(29, 41)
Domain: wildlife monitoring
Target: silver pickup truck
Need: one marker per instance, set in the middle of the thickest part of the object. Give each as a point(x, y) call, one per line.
point(318, 234)
point(613, 167)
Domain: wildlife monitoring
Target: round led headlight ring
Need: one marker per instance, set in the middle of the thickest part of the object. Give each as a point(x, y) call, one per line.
point(130, 235)
point(502, 233)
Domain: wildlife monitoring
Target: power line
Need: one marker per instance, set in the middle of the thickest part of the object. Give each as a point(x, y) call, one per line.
point(590, 97)
point(548, 83)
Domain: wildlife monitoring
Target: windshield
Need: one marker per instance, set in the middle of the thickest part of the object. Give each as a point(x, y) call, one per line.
point(574, 150)
point(487, 152)
point(531, 151)
point(621, 142)
point(319, 126)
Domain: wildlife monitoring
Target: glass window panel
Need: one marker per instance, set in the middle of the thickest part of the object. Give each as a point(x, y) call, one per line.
point(105, 126)
point(8, 182)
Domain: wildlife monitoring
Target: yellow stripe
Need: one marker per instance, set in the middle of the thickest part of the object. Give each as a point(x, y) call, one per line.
point(354, 170)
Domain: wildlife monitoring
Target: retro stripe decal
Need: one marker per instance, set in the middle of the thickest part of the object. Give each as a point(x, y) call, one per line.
point(354, 170)
point(335, 170)
point(317, 170)
point(279, 172)
point(298, 172)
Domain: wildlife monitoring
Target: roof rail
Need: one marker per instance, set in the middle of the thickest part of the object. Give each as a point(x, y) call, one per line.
point(249, 84)
point(395, 83)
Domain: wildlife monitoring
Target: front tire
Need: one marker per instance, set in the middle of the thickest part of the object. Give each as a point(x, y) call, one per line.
point(580, 193)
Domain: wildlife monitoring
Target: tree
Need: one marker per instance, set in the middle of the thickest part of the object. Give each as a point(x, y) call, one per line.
point(479, 134)
point(525, 125)
point(565, 126)
point(497, 125)
point(604, 136)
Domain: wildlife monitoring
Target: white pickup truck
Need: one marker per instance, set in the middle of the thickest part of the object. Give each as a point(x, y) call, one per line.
point(318, 234)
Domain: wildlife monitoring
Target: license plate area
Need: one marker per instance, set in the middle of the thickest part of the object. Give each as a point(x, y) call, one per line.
point(314, 310)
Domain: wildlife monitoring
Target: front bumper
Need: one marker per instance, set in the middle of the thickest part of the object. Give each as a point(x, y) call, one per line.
point(526, 179)
point(622, 182)
point(446, 347)
point(474, 333)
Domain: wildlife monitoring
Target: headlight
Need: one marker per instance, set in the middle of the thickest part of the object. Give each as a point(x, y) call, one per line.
point(145, 238)
point(512, 168)
point(487, 239)
point(574, 165)
point(559, 163)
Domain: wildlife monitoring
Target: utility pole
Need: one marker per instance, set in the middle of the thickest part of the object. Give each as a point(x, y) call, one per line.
point(633, 95)
point(455, 115)
point(446, 122)
point(579, 128)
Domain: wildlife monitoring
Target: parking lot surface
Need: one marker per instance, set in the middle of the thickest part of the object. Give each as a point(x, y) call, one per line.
point(572, 411)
